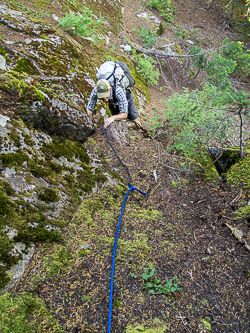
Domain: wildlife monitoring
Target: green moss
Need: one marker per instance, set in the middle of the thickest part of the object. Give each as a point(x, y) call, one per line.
point(67, 148)
point(13, 81)
point(204, 160)
point(239, 176)
point(86, 180)
point(56, 167)
point(14, 137)
point(160, 29)
point(58, 261)
point(25, 65)
point(115, 175)
point(29, 141)
point(37, 170)
point(38, 234)
point(48, 195)
point(2, 51)
point(24, 314)
point(136, 248)
point(14, 159)
point(5, 247)
point(4, 277)
point(239, 173)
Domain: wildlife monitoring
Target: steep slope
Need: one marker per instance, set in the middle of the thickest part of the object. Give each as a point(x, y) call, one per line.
point(179, 229)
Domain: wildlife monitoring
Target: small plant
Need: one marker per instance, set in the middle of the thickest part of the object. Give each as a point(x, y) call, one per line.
point(73, 3)
point(181, 34)
point(148, 36)
point(154, 286)
point(146, 67)
point(133, 275)
point(83, 23)
point(164, 7)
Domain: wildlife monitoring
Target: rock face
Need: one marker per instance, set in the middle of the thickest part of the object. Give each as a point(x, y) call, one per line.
point(2, 65)
point(48, 75)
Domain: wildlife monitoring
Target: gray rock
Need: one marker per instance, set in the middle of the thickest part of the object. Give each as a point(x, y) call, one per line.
point(2, 64)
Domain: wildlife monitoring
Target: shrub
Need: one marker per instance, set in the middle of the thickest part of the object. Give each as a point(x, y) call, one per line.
point(148, 36)
point(83, 23)
point(164, 7)
point(146, 67)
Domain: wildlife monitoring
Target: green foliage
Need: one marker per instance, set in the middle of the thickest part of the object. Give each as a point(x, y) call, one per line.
point(4, 277)
point(26, 314)
point(181, 34)
point(232, 58)
point(236, 51)
point(154, 285)
point(218, 70)
point(193, 120)
point(164, 7)
point(197, 118)
point(239, 15)
point(83, 23)
point(148, 36)
point(146, 67)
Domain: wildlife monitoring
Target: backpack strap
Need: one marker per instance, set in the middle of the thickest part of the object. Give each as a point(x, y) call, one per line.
point(112, 73)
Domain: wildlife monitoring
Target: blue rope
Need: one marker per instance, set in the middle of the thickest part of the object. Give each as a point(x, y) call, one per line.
point(131, 188)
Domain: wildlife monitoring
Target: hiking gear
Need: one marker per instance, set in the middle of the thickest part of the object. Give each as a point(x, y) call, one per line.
point(118, 102)
point(116, 109)
point(117, 73)
point(103, 88)
point(145, 132)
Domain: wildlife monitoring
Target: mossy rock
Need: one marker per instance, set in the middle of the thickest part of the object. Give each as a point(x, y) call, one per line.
point(48, 195)
point(14, 159)
point(25, 65)
point(204, 160)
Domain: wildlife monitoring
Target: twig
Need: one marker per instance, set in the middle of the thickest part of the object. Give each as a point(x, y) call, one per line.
point(184, 323)
point(154, 190)
point(163, 75)
point(229, 218)
point(166, 165)
point(209, 164)
point(241, 135)
point(195, 76)
point(236, 198)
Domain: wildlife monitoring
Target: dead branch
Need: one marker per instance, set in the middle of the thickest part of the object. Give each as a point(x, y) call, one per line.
point(238, 236)
point(241, 134)
point(166, 81)
point(162, 54)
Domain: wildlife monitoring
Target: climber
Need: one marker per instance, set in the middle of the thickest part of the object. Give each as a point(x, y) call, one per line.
point(121, 102)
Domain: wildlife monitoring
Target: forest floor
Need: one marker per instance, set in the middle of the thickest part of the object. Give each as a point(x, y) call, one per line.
point(179, 229)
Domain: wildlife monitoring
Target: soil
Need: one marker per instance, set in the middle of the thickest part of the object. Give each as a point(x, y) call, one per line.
point(189, 238)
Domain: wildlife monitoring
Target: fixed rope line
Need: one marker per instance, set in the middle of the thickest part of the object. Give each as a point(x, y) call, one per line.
point(117, 157)
point(131, 188)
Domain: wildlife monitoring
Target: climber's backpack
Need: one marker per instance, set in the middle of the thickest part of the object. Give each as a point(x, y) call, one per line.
point(117, 73)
